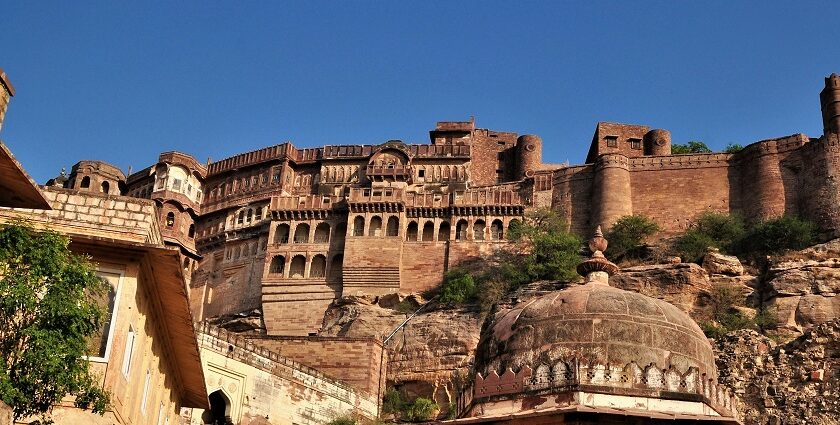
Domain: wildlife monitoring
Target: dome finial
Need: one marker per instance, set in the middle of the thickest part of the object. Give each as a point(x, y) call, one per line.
point(597, 269)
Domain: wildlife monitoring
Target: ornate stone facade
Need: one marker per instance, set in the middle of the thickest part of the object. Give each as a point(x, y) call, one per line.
point(287, 230)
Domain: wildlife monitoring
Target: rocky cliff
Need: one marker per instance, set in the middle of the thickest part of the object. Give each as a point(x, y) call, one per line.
point(427, 355)
point(794, 382)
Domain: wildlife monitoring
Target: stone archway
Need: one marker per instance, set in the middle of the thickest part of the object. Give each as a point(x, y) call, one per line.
point(219, 412)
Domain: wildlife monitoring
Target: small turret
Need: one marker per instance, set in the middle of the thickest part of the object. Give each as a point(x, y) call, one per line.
point(830, 104)
point(658, 142)
point(529, 155)
point(96, 176)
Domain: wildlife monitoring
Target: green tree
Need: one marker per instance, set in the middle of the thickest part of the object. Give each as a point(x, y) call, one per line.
point(421, 410)
point(552, 252)
point(49, 314)
point(710, 230)
point(628, 234)
point(690, 147)
point(458, 286)
point(780, 234)
point(733, 148)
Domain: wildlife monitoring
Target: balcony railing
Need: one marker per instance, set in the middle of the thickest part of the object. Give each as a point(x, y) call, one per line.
point(304, 202)
point(394, 171)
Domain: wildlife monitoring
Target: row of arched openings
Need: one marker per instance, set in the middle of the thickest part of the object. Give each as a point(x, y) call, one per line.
point(297, 266)
point(247, 216)
point(392, 227)
point(479, 230)
point(104, 187)
point(302, 233)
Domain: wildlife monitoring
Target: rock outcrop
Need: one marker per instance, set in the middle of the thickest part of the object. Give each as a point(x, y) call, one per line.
point(803, 286)
point(684, 285)
point(793, 383)
point(428, 356)
point(717, 263)
point(248, 321)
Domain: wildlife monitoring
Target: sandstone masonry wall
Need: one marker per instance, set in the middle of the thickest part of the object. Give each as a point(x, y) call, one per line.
point(267, 388)
point(356, 361)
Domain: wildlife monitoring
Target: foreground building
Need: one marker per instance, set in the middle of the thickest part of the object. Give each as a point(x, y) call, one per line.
point(146, 355)
point(150, 357)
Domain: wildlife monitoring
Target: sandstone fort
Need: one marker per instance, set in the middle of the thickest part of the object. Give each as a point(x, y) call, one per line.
point(284, 226)
point(267, 241)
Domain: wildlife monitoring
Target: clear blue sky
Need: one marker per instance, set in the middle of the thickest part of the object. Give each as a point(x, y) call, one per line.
point(124, 81)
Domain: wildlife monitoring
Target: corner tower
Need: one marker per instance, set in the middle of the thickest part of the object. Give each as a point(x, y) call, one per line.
point(830, 104)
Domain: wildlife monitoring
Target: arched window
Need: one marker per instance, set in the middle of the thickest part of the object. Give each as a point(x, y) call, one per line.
point(105, 187)
point(241, 218)
point(478, 230)
point(250, 215)
point(429, 231)
point(302, 233)
point(322, 233)
point(393, 228)
point(170, 219)
point(281, 233)
point(85, 182)
point(497, 230)
point(298, 267)
point(278, 264)
point(411, 232)
point(359, 226)
point(318, 268)
point(258, 214)
point(461, 230)
point(375, 226)
point(191, 232)
point(336, 266)
point(443, 232)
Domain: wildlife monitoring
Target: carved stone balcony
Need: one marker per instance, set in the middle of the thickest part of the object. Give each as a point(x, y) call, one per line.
point(389, 172)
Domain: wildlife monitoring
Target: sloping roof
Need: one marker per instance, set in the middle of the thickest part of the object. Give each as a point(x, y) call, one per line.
point(169, 297)
point(17, 189)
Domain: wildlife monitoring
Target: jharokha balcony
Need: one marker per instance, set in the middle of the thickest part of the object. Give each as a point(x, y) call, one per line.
point(389, 172)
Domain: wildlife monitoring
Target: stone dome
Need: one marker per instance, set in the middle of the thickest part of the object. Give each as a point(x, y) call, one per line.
point(597, 348)
point(596, 324)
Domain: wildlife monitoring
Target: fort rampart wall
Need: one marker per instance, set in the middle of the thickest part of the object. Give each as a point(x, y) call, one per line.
point(768, 179)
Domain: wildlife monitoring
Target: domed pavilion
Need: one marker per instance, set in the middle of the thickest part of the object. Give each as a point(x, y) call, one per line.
point(592, 353)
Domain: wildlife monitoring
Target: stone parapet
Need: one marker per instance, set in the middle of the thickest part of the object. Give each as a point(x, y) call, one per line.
point(250, 351)
point(276, 152)
point(630, 379)
point(92, 214)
